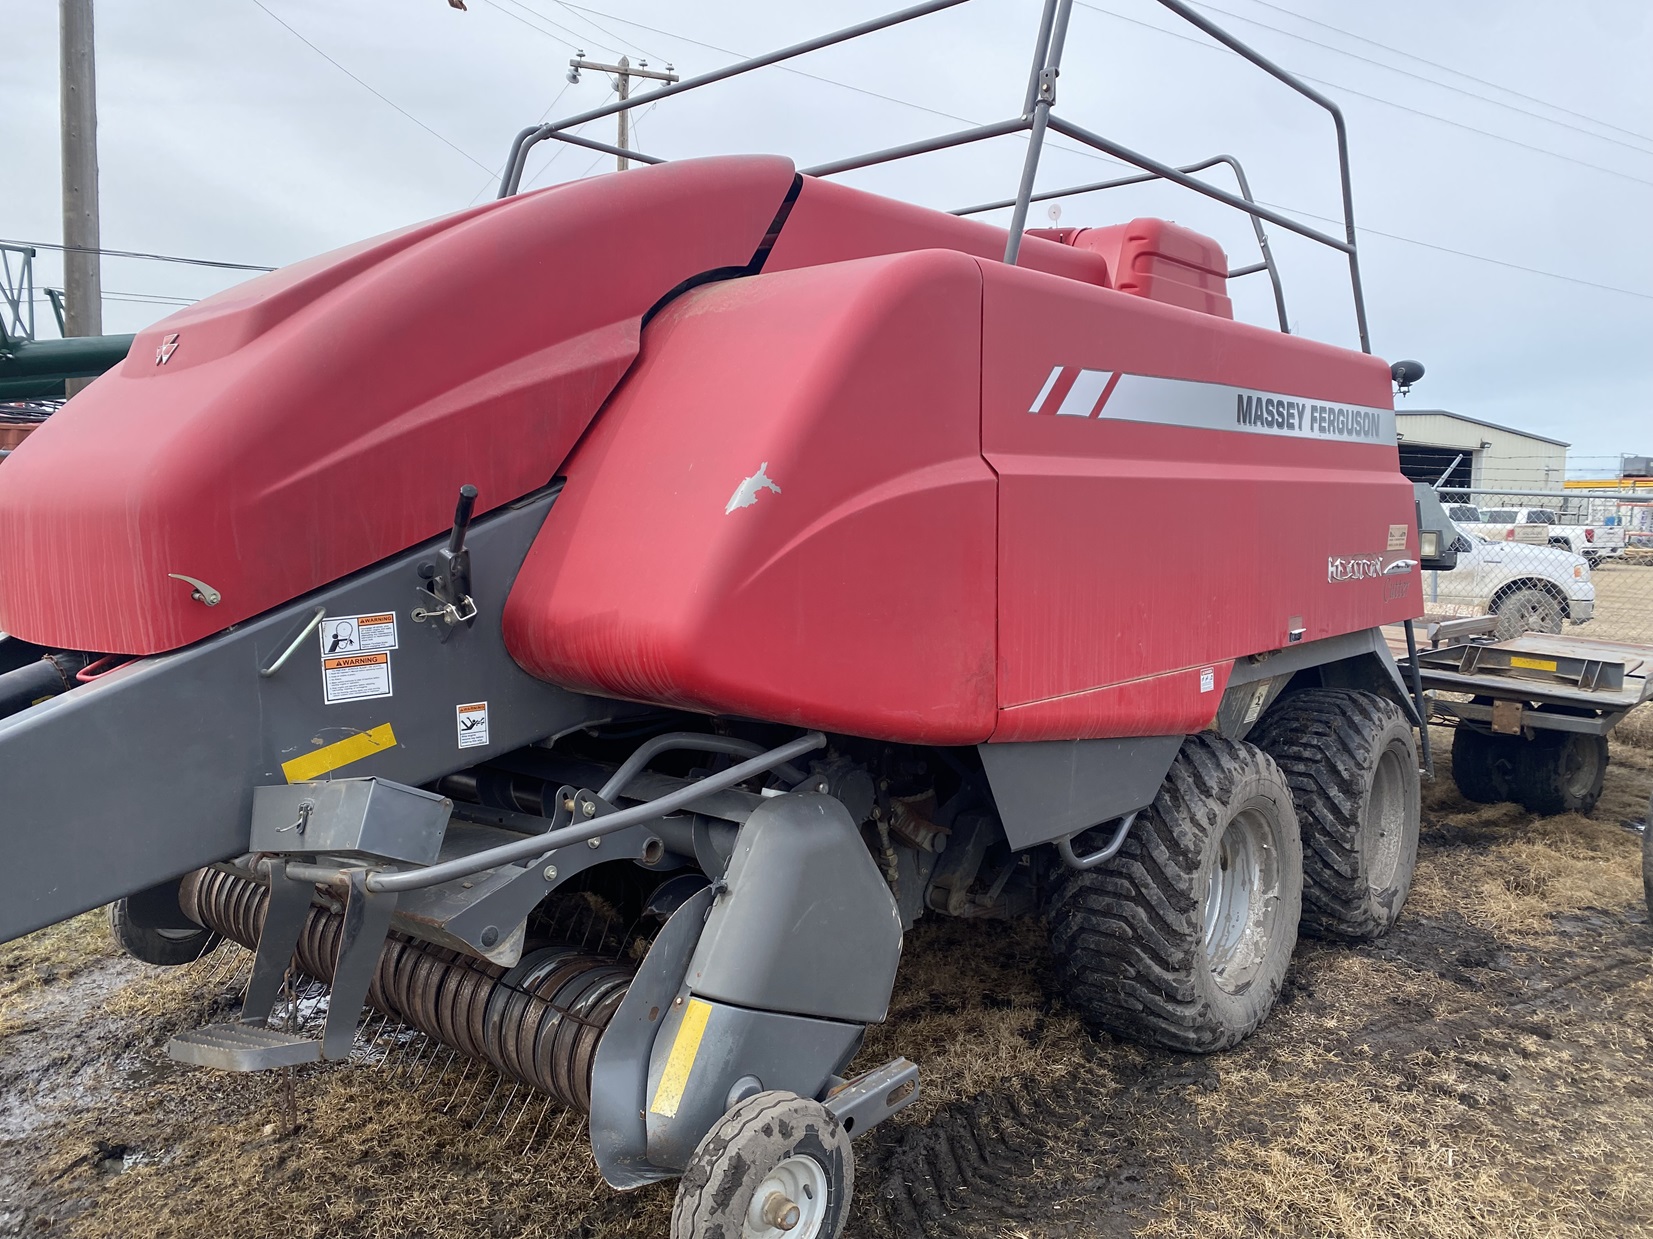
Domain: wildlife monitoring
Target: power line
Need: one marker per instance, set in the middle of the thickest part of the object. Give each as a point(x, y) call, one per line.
point(584, 16)
point(573, 47)
point(376, 94)
point(1419, 77)
point(1480, 81)
point(108, 253)
point(1348, 90)
point(1447, 249)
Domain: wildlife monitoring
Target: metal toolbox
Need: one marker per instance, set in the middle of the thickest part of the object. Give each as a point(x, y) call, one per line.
point(352, 817)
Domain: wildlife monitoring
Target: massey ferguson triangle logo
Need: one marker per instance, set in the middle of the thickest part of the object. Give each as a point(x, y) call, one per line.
point(168, 347)
point(1072, 392)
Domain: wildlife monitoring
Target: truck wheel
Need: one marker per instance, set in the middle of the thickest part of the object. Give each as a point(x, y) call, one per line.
point(155, 945)
point(1526, 610)
point(1183, 939)
point(1482, 764)
point(1560, 772)
point(1352, 762)
point(775, 1165)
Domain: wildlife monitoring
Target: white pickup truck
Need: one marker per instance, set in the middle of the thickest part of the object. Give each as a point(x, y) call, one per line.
point(1540, 527)
point(1529, 588)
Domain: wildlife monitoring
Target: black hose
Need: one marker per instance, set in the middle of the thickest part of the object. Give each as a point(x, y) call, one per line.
point(45, 677)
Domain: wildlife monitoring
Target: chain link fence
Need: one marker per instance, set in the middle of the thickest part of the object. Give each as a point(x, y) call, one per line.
point(1579, 562)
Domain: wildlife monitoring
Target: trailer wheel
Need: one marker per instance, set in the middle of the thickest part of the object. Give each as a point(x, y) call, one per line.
point(1183, 939)
point(1352, 762)
point(1526, 610)
point(1482, 764)
point(155, 945)
point(775, 1165)
point(1560, 772)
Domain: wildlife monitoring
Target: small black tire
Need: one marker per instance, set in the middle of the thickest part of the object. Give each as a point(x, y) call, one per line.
point(1560, 772)
point(1351, 758)
point(1527, 610)
point(1483, 764)
point(771, 1144)
point(152, 945)
point(1141, 952)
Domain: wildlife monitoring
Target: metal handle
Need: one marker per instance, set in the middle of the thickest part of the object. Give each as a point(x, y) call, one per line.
point(267, 672)
point(461, 518)
point(1064, 845)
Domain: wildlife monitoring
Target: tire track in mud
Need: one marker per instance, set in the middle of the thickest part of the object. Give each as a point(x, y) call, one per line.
point(1086, 1156)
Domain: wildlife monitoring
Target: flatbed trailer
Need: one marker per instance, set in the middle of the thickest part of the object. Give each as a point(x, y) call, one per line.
point(1532, 713)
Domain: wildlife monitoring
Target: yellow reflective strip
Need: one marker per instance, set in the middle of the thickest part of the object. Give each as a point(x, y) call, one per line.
point(669, 1094)
point(341, 753)
point(1532, 664)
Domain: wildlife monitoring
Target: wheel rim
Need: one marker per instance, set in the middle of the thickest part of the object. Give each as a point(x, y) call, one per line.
point(1386, 817)
point(1240, 901)
point(791, 1201)
point(1578, 769)
point(1533, 615)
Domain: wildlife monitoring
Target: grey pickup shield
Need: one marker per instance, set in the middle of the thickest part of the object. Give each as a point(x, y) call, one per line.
point(148, 772)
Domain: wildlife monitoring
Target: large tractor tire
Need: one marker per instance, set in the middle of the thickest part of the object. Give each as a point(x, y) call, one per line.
point(1483, 764)
point(1560, 772)
point(1183, 939)
point(1351, 759)
point(775, 1165)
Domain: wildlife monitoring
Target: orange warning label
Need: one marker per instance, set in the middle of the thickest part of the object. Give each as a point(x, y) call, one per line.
point(355, 677)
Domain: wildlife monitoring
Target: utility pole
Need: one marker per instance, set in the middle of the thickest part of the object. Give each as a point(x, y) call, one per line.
point(82, 277)
point(624, 72)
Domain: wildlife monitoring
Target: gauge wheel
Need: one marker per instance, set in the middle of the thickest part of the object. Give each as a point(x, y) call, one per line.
point(776, 1166)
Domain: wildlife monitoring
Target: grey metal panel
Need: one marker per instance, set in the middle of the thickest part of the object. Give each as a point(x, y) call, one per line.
point(620, 1073)
point(1048, 789)
point(806, 924)
point(1366, 648)
point(149, 771)
point(787, 1052)
point(352, 817)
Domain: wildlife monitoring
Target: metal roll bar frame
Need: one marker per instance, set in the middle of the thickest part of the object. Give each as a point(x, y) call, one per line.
point(1037, 119)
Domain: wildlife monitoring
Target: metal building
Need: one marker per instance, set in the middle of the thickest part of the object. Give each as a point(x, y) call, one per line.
point(1479, 454)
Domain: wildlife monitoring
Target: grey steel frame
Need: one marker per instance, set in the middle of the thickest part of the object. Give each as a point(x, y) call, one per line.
point(1036, 120)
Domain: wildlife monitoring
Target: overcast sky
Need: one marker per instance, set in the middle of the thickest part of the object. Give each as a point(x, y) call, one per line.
point(224, 134)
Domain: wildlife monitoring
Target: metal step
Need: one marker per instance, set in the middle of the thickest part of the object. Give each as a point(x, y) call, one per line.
point(243, 1047)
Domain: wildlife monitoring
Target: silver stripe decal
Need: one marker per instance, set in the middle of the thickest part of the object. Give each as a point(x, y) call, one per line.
point(1218, 406)
point(1044, 392)
point(1085, 392)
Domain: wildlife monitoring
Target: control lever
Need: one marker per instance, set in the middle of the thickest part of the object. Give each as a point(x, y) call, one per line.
point(447, 583)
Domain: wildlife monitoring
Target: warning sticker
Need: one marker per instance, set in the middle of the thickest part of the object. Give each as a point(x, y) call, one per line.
point(473, 724)
point(355, 677)
point(358, 634)
point(1397, 537)
point(1208, 679)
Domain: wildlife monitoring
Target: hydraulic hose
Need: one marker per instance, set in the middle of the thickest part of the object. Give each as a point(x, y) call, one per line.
point(45, 677)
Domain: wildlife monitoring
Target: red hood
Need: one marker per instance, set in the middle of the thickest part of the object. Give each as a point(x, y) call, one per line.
point(310, 422)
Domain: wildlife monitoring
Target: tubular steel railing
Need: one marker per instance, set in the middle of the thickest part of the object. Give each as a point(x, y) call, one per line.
point(1037, 118)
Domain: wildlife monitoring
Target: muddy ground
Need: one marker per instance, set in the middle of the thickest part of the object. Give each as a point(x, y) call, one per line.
point(1484, 1071)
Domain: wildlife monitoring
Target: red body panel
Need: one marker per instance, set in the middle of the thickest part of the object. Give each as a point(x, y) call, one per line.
point(831, 222)
point(313, 421)
point(858, 594)
point(1134, 555)
point(889, 487)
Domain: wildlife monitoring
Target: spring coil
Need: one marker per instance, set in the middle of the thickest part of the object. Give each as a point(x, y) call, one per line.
point(538, 1022)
